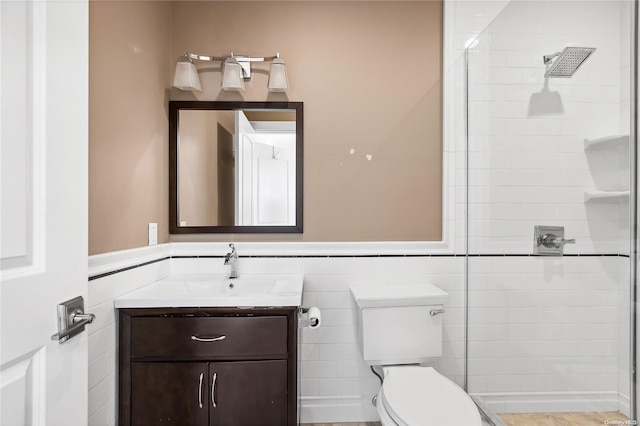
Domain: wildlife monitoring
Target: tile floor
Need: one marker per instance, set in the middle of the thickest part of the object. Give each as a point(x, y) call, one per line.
point(342, 424)
point(543, 419)
point(566, 419)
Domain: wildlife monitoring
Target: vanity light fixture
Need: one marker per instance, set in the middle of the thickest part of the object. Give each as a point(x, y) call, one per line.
point(235, 69)
point(186, 77)
point(232, 77)
point(278, 75)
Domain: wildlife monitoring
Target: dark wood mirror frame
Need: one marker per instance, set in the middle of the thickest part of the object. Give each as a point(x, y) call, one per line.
point(174, 109)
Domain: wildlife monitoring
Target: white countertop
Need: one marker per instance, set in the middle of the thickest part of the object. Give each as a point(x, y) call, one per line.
point(184, 291)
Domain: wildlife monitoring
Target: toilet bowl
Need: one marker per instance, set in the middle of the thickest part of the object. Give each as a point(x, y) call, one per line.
point(400, 326)
point(420, 396)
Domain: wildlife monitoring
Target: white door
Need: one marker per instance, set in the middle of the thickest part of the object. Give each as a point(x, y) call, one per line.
point(43, 209)
point(243, 146)
point(274, 180)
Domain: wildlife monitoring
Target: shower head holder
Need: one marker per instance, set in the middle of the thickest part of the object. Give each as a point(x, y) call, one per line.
point(548, 58)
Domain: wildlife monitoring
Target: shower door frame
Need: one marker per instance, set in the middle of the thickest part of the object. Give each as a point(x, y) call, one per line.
point(633, 209)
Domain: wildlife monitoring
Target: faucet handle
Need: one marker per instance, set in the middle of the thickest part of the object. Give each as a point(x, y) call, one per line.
point(228, 256)
point(570, 241)
point(553, 241)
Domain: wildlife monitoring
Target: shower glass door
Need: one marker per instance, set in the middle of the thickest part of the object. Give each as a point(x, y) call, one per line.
point(550, 334)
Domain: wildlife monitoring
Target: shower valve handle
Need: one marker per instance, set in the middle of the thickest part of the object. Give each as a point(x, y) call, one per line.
point(553, 241)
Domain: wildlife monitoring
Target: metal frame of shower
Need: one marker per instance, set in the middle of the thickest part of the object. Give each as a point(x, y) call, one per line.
point(634, 229)
point(633, 209)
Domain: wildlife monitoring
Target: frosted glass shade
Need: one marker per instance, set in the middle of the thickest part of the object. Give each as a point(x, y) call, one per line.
point(278, 76)
point(232, 79)
point(186, 76)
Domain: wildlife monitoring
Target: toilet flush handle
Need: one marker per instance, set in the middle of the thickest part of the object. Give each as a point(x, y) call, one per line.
point(435, 312)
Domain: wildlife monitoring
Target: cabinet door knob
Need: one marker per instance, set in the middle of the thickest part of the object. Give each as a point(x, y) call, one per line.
point(213, 389)
point(208, 339)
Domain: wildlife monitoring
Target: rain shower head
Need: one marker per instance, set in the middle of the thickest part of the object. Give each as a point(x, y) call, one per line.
point(568, 61)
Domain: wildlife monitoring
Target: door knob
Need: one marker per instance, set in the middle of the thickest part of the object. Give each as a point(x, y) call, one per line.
point(71, 319)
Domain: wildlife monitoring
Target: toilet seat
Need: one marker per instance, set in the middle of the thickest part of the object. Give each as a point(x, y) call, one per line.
point(420, 396)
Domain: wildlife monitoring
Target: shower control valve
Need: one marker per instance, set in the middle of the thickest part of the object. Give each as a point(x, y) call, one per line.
point(553, 241)
point(549, 240)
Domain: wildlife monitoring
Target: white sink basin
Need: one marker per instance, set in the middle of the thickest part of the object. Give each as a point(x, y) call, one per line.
point(216, 290)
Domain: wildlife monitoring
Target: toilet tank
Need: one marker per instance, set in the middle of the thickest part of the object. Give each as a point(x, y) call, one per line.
point(399, 324)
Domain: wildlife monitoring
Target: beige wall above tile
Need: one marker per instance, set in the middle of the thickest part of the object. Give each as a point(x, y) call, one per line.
point(129, 72)
point(369, 74)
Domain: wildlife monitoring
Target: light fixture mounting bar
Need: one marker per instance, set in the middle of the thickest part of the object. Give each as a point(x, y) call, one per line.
point(243, 60)
point(206, 58)
point(239, 58)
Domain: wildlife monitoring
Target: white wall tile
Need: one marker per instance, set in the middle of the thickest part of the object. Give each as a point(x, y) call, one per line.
point(102, 397)
point(545, 325)
point(99, 417)
point(101, 341)
point(102, 333)
point(97, 370)
point(508, 58)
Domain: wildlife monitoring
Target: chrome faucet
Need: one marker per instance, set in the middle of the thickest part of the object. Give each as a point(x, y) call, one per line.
point(553, 241)
point(549, 240)
point(231, 259)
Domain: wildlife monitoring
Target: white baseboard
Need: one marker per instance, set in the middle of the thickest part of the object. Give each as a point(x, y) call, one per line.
point(550, 402)
point(625, 405)
point(337, 409)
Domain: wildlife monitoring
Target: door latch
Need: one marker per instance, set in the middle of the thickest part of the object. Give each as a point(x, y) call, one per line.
point(71, 319)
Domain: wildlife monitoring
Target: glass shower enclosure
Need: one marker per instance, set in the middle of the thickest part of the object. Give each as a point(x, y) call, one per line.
point(549, 333)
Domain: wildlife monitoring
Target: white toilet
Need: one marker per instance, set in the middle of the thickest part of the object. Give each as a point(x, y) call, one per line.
point(400, 329)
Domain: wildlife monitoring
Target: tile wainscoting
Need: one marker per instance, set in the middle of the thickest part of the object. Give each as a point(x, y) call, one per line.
point(336, 385)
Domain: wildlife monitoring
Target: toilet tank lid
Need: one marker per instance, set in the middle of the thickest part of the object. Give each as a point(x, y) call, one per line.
point(377, 296)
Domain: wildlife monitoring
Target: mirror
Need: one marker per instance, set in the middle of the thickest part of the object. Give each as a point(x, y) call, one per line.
point(235, 167)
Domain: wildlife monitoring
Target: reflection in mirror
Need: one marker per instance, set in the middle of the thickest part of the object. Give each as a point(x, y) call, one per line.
point(236, 167)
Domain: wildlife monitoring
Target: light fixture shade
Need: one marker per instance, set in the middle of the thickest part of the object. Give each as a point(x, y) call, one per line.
point(232, 79)
point(278, 76)
point(186, 76)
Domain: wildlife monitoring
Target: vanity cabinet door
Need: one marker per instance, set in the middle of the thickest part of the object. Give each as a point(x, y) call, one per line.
point(248, 393)
point(169, 393)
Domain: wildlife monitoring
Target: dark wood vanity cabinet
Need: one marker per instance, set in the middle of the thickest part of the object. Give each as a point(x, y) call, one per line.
point(214, 366)
point(154, 390)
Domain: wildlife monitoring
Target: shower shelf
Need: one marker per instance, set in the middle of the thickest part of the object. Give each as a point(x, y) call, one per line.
point(612, 196)
point(616, 141)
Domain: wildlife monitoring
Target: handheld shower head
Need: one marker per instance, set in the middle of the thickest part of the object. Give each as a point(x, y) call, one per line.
point(568, 61)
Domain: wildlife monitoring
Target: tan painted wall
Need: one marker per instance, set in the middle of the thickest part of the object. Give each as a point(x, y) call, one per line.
point(369, 74)
point(129, 74)
point(198, 165)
